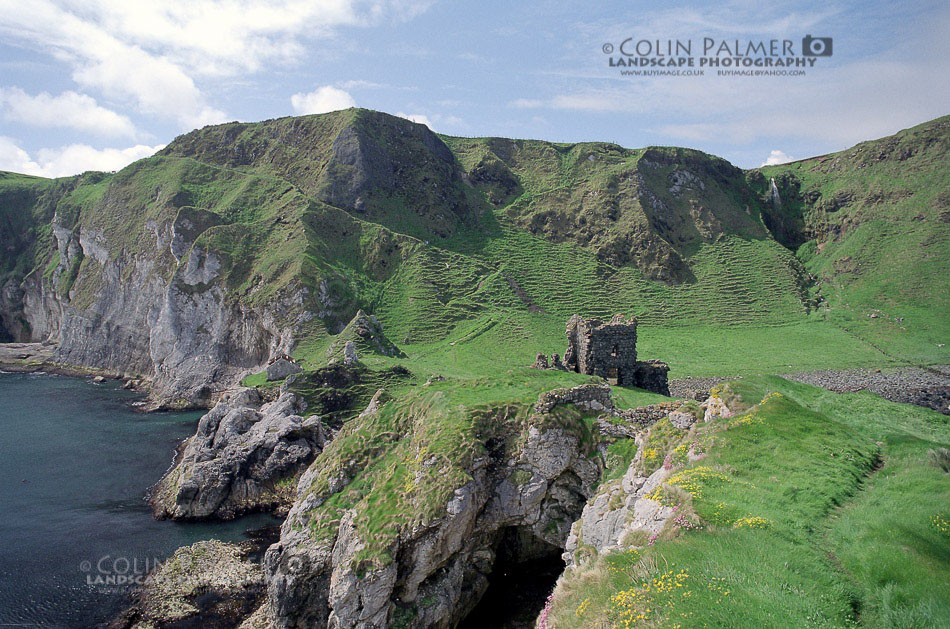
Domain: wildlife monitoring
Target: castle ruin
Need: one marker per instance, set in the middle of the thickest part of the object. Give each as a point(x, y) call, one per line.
point(608, 350)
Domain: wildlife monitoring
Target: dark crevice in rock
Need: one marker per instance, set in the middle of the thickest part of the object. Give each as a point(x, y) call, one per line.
point(524, 573)
point(5, 337)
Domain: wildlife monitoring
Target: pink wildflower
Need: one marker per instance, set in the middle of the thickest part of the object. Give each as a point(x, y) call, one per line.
point(543, 618)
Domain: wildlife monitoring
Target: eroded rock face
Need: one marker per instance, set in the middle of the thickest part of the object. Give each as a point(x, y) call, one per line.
point(615, 512)
point(530, 490)
point(159, 311)
point(245, 456)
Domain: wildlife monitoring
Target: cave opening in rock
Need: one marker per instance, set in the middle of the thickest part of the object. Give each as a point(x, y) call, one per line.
point(525, 571)
point(5, 337)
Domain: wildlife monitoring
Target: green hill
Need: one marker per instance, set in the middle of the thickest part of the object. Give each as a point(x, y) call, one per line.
point(471, 252)
point(872, 223)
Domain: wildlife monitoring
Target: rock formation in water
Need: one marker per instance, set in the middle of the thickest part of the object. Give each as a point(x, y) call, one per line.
point(246, 456)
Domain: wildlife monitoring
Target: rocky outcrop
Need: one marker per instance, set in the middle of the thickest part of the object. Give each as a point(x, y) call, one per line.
point(349, 353)
point(615, 514)
point(363, 335)
point(714, 407)
point(624, 512)
point(209, 583)
point(245, 456)
point(526, 490)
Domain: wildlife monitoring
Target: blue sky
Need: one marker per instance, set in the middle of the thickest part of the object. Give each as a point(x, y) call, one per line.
point(95, 84)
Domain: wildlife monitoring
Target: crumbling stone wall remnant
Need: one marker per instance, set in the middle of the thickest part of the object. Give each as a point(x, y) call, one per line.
point(608, 350)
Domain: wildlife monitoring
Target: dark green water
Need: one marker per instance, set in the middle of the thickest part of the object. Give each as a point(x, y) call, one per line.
point(75, 463)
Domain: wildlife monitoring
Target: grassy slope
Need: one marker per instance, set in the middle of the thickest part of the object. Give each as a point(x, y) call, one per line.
point(875, 223)
point(799, 528)
point(543, 234)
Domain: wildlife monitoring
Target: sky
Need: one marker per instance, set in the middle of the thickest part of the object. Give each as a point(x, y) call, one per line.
point(97, 84)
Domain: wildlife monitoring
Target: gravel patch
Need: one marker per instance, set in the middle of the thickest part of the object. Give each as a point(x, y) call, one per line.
point(693, 388)
point(910, 385)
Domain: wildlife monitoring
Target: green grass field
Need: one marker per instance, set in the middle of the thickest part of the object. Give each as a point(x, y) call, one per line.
point(816, 509)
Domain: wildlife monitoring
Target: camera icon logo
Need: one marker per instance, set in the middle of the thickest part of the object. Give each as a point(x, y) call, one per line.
point(816, 46)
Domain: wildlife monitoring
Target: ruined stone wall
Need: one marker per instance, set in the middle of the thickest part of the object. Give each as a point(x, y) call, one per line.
point(651, 375)
point(591, 397)
point(608, 350)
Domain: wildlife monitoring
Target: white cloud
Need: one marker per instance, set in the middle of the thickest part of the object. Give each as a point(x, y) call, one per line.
point(360, 83)
point(778, 157)
point(322, 100)
point(420, 118)
point(151, 52)
point(15, 159)
point(226, 37)
point(527, 103)
point(69, 160)
point(101, 60)
point(69, 109)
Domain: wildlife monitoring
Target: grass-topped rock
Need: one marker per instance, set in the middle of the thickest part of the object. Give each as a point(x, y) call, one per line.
point(405, 511)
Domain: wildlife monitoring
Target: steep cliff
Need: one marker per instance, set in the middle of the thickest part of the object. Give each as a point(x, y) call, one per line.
point(410, 507)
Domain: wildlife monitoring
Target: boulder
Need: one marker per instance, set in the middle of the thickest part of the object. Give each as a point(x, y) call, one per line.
point(281, 368)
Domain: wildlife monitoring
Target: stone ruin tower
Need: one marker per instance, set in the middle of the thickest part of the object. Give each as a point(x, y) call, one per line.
point(608, 350)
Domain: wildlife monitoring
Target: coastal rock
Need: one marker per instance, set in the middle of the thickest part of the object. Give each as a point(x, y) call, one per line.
point(517, 499)
point(209, 579)
point(616, 512)
point(246, 455)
